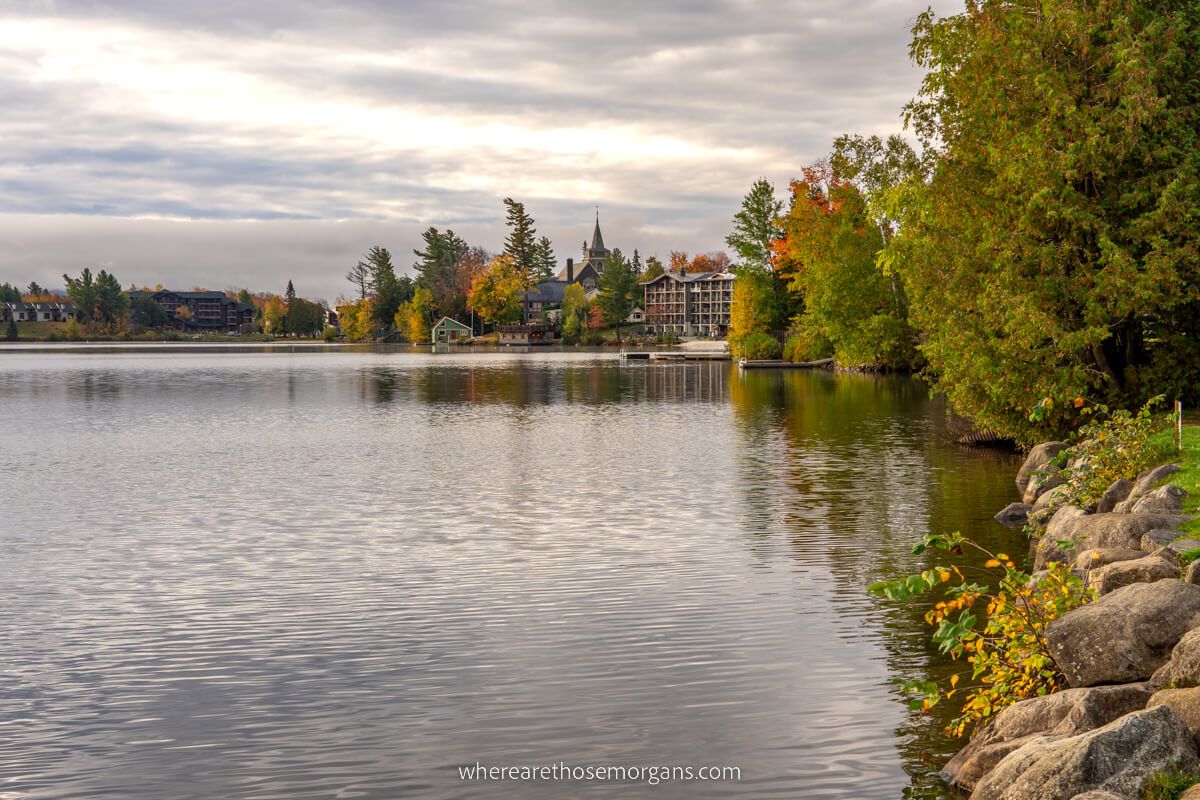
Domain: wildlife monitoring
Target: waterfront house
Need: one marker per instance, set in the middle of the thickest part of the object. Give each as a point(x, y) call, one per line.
point(447, 331)
point(528, 334)
point(37, 312)
point(201, 311)
point(689, 305)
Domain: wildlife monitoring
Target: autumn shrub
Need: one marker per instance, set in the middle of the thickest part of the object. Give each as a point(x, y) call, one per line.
point(756, 347)
point(1004, 644)
point(805, 343)
point(1112, 444)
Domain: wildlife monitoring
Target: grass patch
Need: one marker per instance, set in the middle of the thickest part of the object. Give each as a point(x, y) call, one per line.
point(1169, 784)
point(1188, 477)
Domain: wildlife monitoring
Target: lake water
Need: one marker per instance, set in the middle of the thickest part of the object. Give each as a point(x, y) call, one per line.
point(345, 574)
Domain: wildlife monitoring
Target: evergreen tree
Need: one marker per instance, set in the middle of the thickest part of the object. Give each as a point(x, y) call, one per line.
point(654, 268)
point(545, 264)
point(755, 226)
point(440, 266)
point(35, 289)
point(245, 298)
point(617, 283)
point(10, 332)
point(9, 293)
point(520, 245)
point(290, 294)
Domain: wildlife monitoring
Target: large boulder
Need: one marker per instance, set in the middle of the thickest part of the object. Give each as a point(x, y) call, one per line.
point(1099, 530)
point(1066, 713)
point(1163, 500)
point(1182, 670)
point(1117, 492)
point(1125, 635)
point(1051, 477)
point(1048, 503)
point(1103, 556)
point(1191, 794)
point(1120, 757)
point(1144, 484)
point(1192, 575)
point(1123, 573)
point(1099, 794)
point(1016, 513)
point(1181, 546)
point(1038, 457)
point(1159, 537)
point(1184, 702)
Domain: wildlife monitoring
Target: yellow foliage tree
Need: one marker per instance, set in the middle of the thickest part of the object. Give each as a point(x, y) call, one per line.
point(354, 317)
point(496, 292)
point(413, 317)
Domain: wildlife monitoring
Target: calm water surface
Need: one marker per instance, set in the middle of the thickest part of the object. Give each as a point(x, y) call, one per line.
point(345, 574)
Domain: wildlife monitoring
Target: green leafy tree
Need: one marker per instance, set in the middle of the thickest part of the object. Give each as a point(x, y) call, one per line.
point(828, 253)
point(616, 290)
point(304, 318)
point(755, 225)
point(245, 298)
point(145, 313)
point(521, 245)
point(653, 269)
point(1050, 245)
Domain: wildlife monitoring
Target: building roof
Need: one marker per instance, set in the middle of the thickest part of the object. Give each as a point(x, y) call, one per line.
point(692, 277)
point(547, 292)
point(453, 322)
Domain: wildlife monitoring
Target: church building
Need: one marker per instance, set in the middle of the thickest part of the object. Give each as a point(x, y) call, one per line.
point(586, 274)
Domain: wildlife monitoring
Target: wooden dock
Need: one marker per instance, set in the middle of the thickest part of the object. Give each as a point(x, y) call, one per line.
point(821, 363)
point(674, 355)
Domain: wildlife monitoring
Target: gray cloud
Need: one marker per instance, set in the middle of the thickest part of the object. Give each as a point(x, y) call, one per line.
point(225, 143)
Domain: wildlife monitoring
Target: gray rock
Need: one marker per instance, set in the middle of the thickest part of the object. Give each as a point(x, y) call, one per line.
point(1066, 713)
point(1100, 530)
point(1047, 504)
point(1100, 794)
point(1061, 520)
point(1159, 537)
point(1184, 702)
point(1048, 478)
point(1192, 574)
point(1123, 573)
point(1151, 478)
point(1114, 494)
point(1038, 457)
point(1120, 757)
point(1102, 556)
point(1182, 671)
point(1015, 513)
point(1163, 500)
point(1125, 635)
point(1181, 546)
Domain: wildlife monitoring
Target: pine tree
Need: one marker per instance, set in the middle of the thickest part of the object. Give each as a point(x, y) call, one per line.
point(520, 244)
point(290, 294)
point(545, 264)
point(360, 276)
point(10, 332)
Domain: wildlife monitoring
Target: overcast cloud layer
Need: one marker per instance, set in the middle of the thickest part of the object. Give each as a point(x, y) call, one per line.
point(242, 144)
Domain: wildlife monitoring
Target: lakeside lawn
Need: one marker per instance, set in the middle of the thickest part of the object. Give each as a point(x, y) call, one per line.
point(1188, 459)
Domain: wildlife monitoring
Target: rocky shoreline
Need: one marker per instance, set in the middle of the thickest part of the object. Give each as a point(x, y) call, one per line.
point(1131, 658)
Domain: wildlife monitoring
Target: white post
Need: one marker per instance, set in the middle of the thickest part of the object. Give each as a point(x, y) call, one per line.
point(1179, 423)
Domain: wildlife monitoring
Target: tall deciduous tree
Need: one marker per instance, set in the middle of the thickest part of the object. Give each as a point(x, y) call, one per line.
point(496, 293)
point(1051, 247)
point(654, 268)
point(756, 226)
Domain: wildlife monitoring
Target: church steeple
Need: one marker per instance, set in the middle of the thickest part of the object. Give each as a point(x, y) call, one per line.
point(597, 240)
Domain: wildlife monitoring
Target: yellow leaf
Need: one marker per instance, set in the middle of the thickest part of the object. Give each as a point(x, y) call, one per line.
point(954, 680)
point(1002, 556)
point(991, 562)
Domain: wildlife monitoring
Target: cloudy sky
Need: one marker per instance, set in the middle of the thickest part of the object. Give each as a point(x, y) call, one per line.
point(224, 143)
